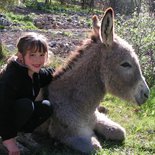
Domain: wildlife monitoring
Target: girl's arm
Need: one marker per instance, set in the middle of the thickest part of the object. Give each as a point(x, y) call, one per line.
point(7, 127)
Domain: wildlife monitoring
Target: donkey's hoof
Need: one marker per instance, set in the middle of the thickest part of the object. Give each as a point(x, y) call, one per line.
point(96, 144)
point(116, 134)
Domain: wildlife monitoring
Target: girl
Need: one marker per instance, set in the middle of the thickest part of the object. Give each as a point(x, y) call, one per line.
point(20, 83)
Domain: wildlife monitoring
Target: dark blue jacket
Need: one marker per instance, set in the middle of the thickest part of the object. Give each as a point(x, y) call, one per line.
point(15, 84)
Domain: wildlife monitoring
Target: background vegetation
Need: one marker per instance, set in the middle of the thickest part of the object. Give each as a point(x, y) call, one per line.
point(136, 23)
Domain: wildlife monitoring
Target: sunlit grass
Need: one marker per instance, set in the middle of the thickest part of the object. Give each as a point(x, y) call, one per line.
point(21, 21)
point(138, 122)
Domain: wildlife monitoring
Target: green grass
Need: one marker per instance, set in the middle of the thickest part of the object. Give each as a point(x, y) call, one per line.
point(139, 124)
point(21, 21)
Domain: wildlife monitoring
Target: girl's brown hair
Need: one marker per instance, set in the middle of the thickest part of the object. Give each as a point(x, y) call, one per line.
point(32, 42)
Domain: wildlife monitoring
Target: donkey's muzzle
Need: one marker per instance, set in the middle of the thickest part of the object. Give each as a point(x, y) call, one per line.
point(143, 95)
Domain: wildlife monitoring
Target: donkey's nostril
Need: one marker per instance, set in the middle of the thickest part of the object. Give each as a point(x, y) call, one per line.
point(146, 95)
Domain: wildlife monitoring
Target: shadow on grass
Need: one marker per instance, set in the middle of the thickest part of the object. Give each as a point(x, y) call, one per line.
point(54, 147)
point(49, 146)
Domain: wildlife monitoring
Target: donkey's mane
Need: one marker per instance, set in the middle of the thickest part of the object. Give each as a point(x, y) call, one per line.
point(75, 56)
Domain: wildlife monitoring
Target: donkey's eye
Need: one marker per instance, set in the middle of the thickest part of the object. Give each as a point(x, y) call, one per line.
point(126, 64)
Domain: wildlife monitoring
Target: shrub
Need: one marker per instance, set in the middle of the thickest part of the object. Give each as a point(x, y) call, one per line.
point(5, 4)
point(4, 54)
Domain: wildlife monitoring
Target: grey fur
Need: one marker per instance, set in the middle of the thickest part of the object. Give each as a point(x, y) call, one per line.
point(101, 65)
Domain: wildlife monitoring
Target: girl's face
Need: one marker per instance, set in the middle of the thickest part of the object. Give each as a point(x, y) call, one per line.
point(34, 61)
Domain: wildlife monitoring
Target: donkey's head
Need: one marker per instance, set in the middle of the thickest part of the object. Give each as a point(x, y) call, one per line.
point(120, 70)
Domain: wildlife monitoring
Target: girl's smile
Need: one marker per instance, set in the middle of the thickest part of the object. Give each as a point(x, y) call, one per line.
point(34, 61)
point(37, 65)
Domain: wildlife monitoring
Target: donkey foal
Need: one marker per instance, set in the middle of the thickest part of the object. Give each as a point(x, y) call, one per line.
point(104, 63)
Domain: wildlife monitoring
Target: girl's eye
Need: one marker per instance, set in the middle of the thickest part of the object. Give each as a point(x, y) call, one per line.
point(126, 64)
point(42, 54)
point(31, 54)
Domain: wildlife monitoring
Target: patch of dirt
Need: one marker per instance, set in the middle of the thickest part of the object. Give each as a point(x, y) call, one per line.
point(64, 32)
point(61, 42)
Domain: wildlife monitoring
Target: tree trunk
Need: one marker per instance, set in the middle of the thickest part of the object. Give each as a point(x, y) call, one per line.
point(1, 50)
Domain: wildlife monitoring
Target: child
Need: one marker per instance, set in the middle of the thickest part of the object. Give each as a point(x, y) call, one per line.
point(20, 83)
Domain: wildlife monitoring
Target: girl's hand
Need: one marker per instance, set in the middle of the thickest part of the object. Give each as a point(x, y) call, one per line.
point(11, 146)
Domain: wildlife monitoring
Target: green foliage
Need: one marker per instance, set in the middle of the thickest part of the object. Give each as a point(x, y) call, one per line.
point(148, 109)
point(140, 32)
point(22, 21)
point(4, 54)
point(56, 7)
point(17, 17)
point(2, 27)
point(5, 4)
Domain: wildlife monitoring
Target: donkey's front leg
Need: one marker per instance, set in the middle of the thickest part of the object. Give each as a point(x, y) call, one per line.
point(83, 144)
point(109, 129)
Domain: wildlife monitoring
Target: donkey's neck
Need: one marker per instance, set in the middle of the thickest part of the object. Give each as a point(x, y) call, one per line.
point(86, 88)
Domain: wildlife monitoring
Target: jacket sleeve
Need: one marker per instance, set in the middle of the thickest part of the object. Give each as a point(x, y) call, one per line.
point(7, 129)
point(45, 76)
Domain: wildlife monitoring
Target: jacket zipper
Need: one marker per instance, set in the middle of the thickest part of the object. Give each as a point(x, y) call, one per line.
point(33, 92)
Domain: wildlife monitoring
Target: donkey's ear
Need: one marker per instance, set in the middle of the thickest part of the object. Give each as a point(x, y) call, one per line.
point(106, 29)
point(96, 25)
